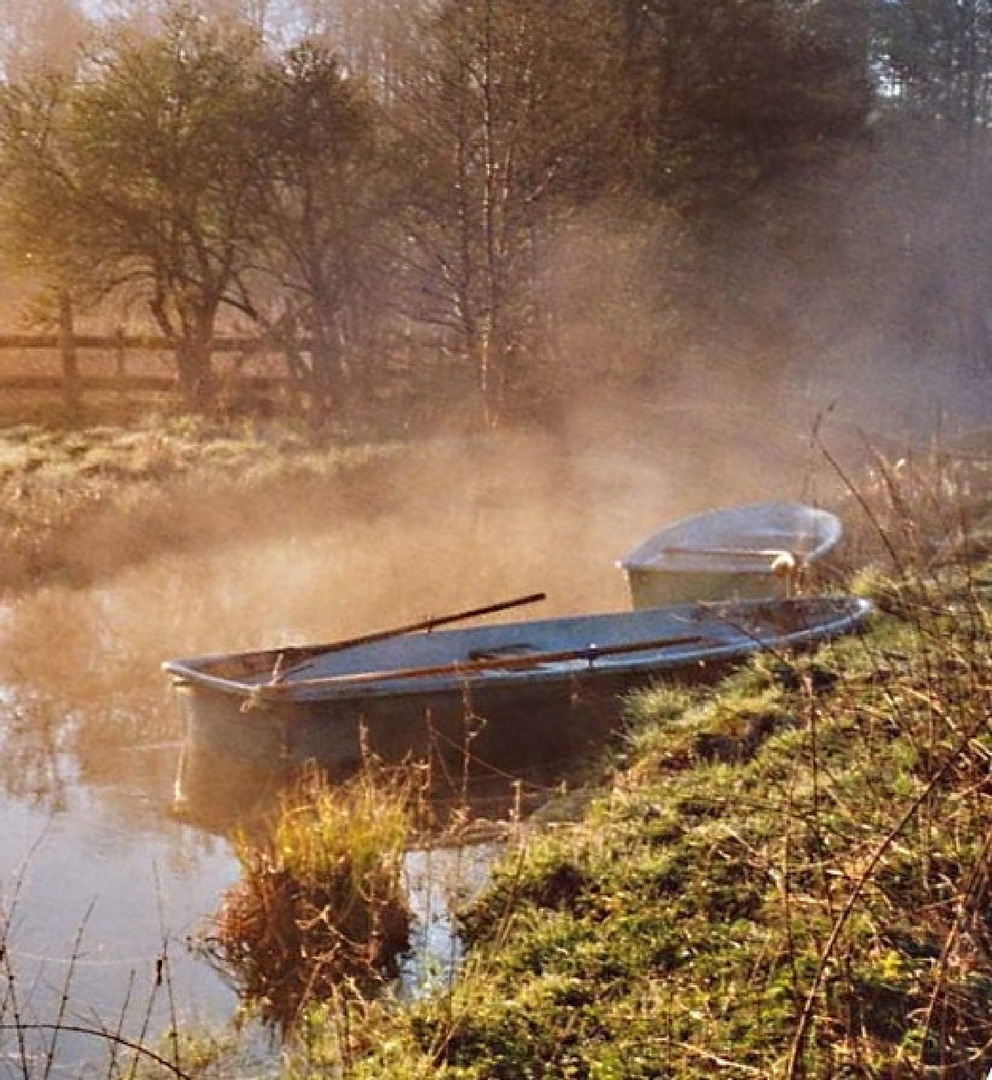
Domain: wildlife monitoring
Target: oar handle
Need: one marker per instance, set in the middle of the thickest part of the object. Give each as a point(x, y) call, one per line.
point(309, 653)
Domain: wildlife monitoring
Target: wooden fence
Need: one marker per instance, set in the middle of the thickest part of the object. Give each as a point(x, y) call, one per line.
point(111, 363)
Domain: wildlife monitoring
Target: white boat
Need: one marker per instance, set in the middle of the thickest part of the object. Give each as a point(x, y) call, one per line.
point(740, 552)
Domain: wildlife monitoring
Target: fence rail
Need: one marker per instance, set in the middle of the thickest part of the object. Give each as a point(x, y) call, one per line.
point(113, 342)
point(161, 383)
point(75, 378)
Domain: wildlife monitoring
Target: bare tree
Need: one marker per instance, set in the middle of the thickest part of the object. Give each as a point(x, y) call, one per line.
point(317, 208)
point(508, 125)
point(372, 38)
point(937, 60)
point(39, 35)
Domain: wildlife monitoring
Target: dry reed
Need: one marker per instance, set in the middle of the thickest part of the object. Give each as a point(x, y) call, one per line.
point(322, 902)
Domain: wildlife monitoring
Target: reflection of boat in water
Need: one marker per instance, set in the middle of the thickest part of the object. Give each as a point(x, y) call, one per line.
point(222, 793)
point(511, 695)
point(734, 553)
point(239, 795)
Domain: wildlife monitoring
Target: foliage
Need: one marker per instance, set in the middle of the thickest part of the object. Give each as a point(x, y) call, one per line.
point(938, 57)
point(408, 200)
point(467, 203)
point(727, 91)
point(319, 200)
point(508, 117)
point(145, 158)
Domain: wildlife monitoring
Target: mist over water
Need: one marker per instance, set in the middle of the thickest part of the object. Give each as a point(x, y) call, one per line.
point(446, 525)
point(449, 525)
point(94, 864)
point(833, 307)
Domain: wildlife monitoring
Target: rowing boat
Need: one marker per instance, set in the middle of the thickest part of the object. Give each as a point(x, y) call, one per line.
point(512, 695)
point(739, 552)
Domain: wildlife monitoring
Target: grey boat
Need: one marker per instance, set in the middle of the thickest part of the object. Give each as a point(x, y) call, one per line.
point(739, 552)
point(511, 695)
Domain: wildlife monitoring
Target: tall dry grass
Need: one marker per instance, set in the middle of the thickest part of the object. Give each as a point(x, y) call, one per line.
point(322, 902)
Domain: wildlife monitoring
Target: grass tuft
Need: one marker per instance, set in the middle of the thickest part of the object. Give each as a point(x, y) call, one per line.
point(321, 908)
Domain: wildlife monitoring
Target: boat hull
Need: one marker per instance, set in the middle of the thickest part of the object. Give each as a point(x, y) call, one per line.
point(730, 554)
point(655, 587)
point(496, 727)
point(519, 714)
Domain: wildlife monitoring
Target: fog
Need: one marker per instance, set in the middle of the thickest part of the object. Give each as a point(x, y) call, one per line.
point(836, 311)
point(451, 523)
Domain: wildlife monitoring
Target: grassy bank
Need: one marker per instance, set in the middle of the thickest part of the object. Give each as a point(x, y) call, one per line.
point(80, 500)
point(787, 878)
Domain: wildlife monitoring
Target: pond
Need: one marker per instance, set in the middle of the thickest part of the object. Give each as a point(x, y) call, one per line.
point(102, 883)
point(100, 893)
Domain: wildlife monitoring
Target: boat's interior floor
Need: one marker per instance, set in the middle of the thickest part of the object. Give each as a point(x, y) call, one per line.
point(677, 630)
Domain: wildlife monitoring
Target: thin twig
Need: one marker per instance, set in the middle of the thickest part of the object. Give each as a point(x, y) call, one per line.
point(122, 1016)
point(106, 1036)
point(864, 504)
point(799, 1040)
point(66, 984)
point(979, 870)
point(716, 1059)
point(163, 972)
point(10, 996)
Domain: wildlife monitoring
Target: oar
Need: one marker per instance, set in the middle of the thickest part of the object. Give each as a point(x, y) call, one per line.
point(311, 652)
point(468, 667)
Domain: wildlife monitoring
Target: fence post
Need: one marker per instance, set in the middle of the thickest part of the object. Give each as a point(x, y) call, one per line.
point(120, 358)
point(71, 383)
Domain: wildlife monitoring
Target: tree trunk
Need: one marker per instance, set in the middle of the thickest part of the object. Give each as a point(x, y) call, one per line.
point(71, 383)
point(196, 376)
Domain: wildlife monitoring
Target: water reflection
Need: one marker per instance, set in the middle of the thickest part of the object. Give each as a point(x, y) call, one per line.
point(32, 766)
point(101, 886)
point(100, 875)
point(99, 909)
point(440, 880)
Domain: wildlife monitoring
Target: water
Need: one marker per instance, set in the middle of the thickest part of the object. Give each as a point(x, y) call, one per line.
point(101, 896)
point(102, 884)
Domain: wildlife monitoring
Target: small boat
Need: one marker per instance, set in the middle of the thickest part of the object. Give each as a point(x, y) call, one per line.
point(741, 552)
point(513, 695)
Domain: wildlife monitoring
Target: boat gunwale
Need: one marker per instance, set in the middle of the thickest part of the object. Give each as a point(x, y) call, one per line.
point(655, 556)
